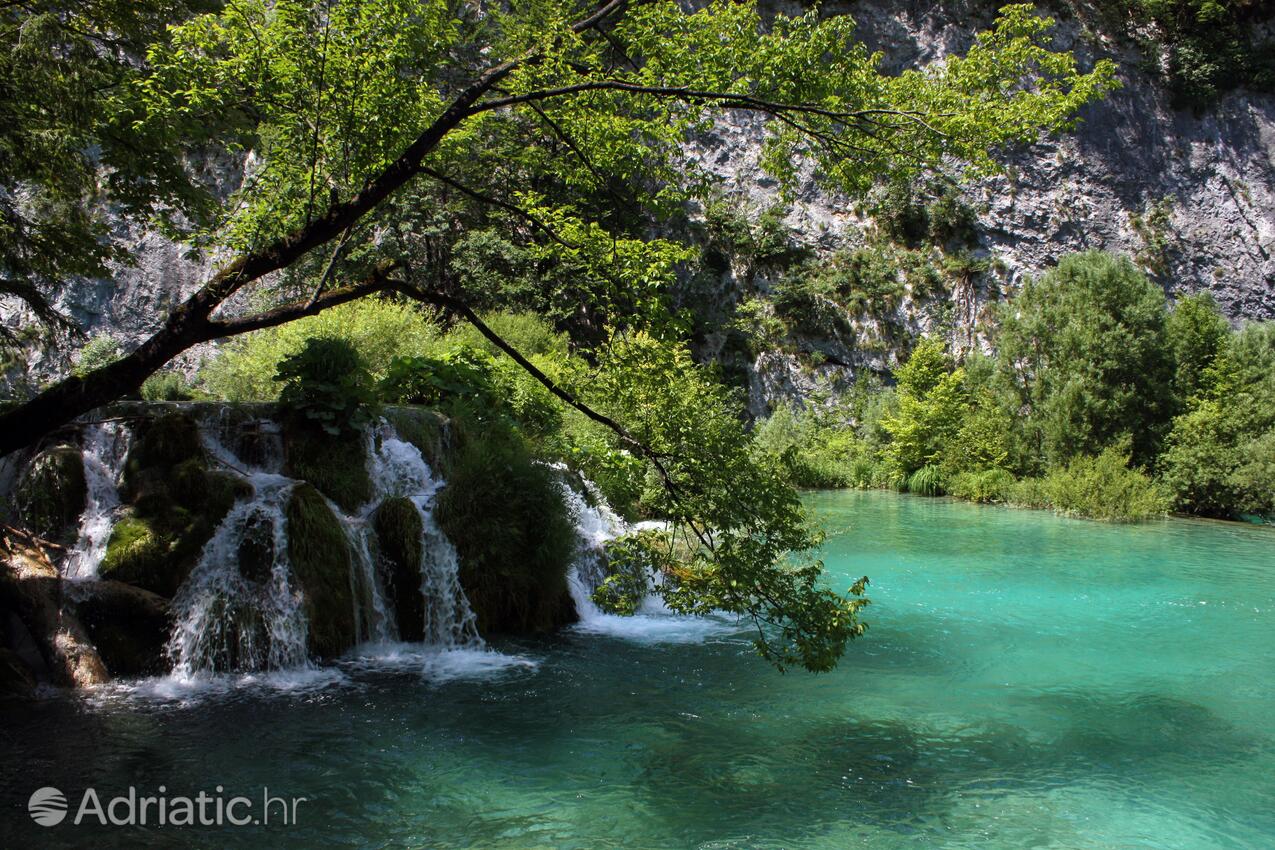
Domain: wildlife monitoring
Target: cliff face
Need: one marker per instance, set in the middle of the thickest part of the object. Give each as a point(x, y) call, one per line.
point(1191, 195)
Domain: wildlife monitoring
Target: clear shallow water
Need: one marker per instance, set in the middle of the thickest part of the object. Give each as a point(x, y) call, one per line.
point(1027, 681)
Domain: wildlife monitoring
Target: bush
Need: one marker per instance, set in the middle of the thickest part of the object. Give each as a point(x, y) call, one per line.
point(99, 351)
point(926, 481)
point(1105, 488)
point(506, 515)
point(167, 386)
point(327, 385)
point(379, 330)
point(989, 485)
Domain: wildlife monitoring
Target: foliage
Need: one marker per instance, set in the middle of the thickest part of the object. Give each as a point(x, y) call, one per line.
point(99, 351)
point(926, 481)
point(1219, 448)
point(988, 485)
point(1204, 47)
point(506, 515)
point(1104, 487)
point(749, 521)
point(1083, 348)
point(326, 385)
point(380, 330)
point(1196, 332)
point(932, 402)
point(167, 386)
point(634, 562)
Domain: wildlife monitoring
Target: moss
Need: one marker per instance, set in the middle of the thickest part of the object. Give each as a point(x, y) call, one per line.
point(320, 558)
point(176, 504)
point(336, 465)
point(506, 515)
point(51, 495)
point(165, 441)
point(398, 531)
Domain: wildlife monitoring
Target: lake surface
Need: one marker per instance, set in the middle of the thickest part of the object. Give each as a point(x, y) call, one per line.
point(1026, 681)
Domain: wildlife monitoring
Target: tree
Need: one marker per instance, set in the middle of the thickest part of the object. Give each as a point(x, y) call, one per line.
point(348, 108)
point(1196, 331)
point(932, 405)
point(408, 146)
point(1084, 348)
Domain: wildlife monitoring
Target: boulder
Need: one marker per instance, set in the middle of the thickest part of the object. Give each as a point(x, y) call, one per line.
point(398, 529)
point(52, 493)
point(320, 559)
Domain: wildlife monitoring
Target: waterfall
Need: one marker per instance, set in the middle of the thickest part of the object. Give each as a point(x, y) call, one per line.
point(596, 525)
point(105, 445)
point(398, 469)
point(232, 617)
point(225, 620)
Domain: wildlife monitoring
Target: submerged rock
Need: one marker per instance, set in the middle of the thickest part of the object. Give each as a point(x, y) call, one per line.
point(320, 557)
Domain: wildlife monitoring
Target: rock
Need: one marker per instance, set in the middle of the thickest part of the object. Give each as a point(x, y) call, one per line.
point(31, 589)
point(16, 678)
point(336, 466)
point(52, 493)
point(129, 626)
point(398, 529)
point(320, 558)
point(175, 505)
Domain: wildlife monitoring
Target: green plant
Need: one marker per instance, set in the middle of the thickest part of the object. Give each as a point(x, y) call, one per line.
point(1104, 487)
point(988, 485)
point(379, 330)
point(506, 515)
point(327, 385)
point(633, 562)
point(926, 481)
point(167, 386)
point(99, 351)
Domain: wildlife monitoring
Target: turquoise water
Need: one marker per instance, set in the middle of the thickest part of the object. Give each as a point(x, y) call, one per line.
point(1027, 681)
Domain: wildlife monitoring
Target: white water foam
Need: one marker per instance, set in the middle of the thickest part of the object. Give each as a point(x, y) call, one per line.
point(105, 447)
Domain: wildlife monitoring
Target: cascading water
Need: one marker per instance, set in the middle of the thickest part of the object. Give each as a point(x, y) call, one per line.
point(398, 469)
point(597, 524)
point(228, 618)
point(240, 611)
point(104, 449)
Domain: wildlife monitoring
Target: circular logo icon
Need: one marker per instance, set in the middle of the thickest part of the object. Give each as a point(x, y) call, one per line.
point(47, 807)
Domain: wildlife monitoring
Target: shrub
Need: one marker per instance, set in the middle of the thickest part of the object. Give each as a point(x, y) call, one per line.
point(506, 515)
point(1104, 487)
point(926, 481)
point(379, 330)
point(99, 351)
point(327, 385)
point(167, 386)
point(988, 485)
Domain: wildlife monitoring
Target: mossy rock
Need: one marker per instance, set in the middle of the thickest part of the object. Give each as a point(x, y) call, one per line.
point(175, 506)
point(398, 529)
point(506, 516)
point(163, 442)
point(128, 626)
point(320, 558)
point(52, 494)
point(336, 465)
